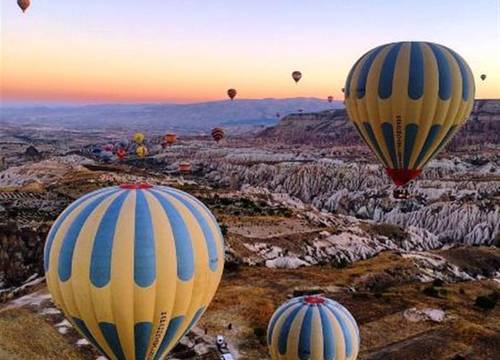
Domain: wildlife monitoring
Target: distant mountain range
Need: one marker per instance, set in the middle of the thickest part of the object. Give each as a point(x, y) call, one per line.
point(334, 127)
point(178, 117)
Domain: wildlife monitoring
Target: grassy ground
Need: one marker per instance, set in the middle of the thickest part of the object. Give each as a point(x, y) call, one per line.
point(24, 335)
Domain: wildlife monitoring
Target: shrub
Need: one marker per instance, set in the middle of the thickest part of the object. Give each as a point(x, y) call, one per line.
point(431, 291)
point(223, 229)
point(487, 302)
point(259, 332)
point(438, 283)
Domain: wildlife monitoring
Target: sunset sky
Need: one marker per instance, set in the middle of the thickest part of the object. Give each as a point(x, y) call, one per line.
point(99, 51)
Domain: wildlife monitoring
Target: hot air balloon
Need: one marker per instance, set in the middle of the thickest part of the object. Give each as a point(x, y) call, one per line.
point(106, 156)
point(296, 75)
point(169, 139)
point(185, 167)
point(278, 115)
point(343, 89)
point(483, 77)
point(218, 134)
point(407, 100)
point(231, 93)
point(142, 151)
point(312, 328)
point(24, 4)
point(330, 99)
point(124, 143)
point(139, 138)
point(108, 147)
point(134, 267)
point(121, 153)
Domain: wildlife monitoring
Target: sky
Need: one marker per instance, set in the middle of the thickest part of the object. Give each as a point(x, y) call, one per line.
point(183, 51)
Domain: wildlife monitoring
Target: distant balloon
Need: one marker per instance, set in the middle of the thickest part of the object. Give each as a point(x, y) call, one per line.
point(169, 139)
point(121, 153)
point(218, 134)
point(106, 155)
point(184, 167)
point(330, 99)
point(139, 138)
point(296, 75)
point(407, 100)
point(312, 328)
point(142, 151)
point(124, 143)
point(231, 93)
point(23, 4)
point(300, 110)
point(108, 147)
point(483, 77)
point(134, 267)
point(278, 115)
point(343, 89)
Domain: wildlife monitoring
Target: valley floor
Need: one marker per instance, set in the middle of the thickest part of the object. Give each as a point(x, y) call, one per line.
point(295, 221)
point(398, 318)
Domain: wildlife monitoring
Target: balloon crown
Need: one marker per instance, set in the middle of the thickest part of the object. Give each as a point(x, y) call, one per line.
point(136, 186)
point(314, 300)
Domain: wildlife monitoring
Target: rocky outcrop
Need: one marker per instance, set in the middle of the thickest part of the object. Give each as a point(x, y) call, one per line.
point(330, 126)
point(21, 253)
point(457, 200)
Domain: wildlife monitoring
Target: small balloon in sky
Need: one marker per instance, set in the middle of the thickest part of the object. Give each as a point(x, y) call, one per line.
point(231, 93)
point(24, 4)
point(296, 76)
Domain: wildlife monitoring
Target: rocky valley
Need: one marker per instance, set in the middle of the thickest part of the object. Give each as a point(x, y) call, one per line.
point(304, 208)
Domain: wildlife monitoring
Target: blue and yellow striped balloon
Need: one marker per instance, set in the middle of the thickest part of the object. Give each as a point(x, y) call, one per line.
point(312, 328)
point(134, 267)
point(407, 100)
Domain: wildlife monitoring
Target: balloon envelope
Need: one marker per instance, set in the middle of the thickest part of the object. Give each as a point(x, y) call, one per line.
point(124, 143)
point(142, 151)
point(23, 4)
point(483, 77)
point(330, 99)
point(185, 167)
point(296, 75)
point(231, 93)
point(313, 328)
point(139, 138)
point(134, 267)
point(108, 147)
point(170, 138)
point(407, 100)
point(218, 134)
point(121, 153)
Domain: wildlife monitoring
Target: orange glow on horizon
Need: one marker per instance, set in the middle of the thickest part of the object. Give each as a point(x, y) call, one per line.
point(44, 58)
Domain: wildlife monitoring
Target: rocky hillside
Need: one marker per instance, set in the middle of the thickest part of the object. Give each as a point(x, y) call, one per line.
point(333, 127)
point(320, 127)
